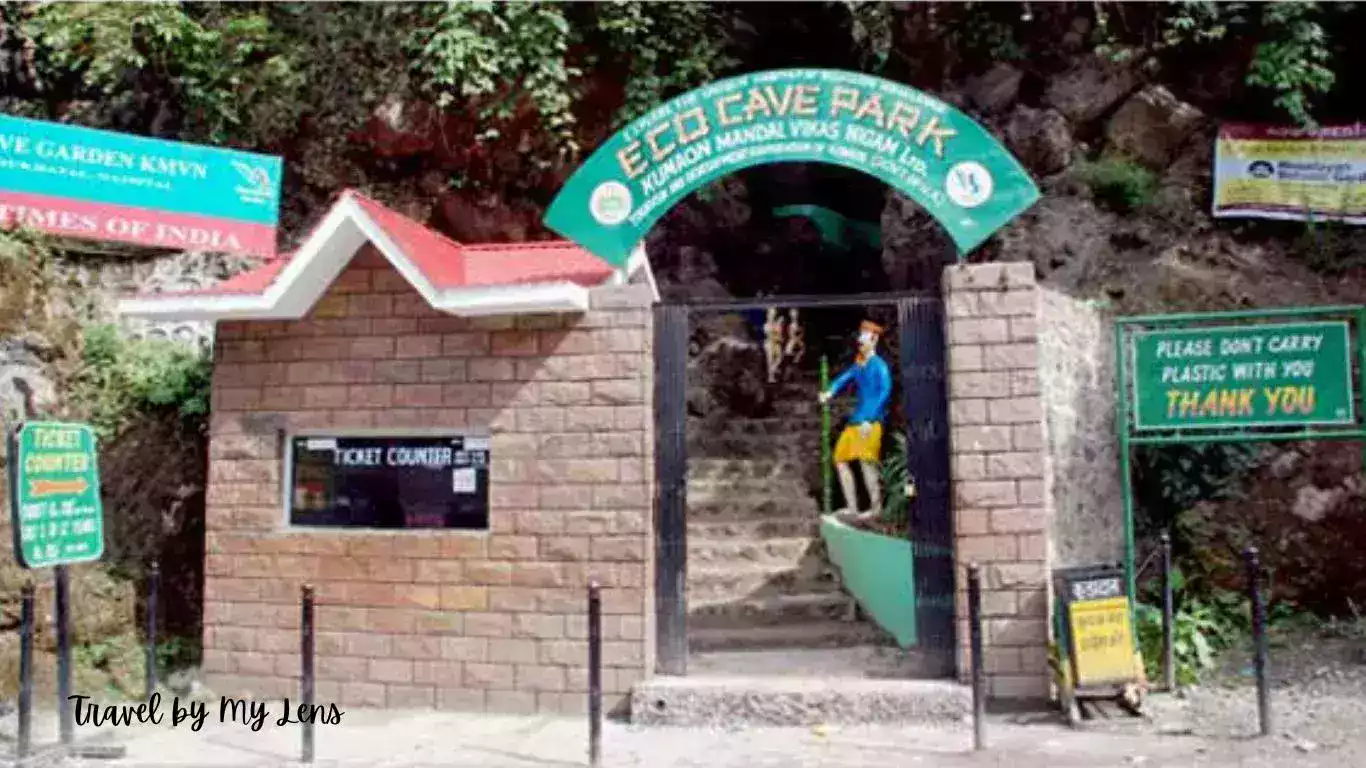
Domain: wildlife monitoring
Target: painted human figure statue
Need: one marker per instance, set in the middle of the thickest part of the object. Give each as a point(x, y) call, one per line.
point(861, 440)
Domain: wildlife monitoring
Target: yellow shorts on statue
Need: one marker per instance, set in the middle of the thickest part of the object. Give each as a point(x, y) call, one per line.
point(854, 445)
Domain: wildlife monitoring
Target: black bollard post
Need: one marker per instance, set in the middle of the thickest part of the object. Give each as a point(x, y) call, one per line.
point(153, 585)
point(979, 699)
point(1168, 607)
point(594, 674)
point(25, 735)
point(306, 655)
point(1259, 656)
point(63, 599)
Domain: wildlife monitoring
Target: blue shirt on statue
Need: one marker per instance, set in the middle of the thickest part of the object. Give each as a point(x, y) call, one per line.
point(874, 384)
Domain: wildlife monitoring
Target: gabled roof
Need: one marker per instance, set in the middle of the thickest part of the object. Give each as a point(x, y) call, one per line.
point(467, 280)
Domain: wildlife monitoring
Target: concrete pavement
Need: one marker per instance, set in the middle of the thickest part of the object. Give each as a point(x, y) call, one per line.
point(390, 739)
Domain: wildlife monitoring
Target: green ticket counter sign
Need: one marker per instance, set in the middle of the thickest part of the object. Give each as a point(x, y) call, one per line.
point(55, 495)
point(1290, 374)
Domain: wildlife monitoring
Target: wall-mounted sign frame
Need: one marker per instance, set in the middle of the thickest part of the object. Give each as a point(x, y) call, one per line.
point(388, 480)
point(1235, 377)
point(92, 184)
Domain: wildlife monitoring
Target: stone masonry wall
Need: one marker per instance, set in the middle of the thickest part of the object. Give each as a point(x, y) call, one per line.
point(1077, 380)
point(492, 620)
point(1002, 502)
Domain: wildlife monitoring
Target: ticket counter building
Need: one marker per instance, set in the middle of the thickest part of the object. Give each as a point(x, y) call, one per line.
point(449, 442)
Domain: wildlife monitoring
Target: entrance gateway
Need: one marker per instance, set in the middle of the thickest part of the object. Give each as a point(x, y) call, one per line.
point(921, 147)
point(528, 388)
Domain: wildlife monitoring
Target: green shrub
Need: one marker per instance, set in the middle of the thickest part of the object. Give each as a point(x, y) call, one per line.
point(1119, 184)
point(894, 476)
point(1200, 631)
point(120, 377)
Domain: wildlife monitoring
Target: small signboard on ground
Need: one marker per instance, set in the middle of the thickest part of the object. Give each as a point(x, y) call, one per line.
point(1289, 374)
point(1099, 626)
point(55, 510)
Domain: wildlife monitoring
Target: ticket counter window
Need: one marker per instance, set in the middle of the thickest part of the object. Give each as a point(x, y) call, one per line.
point(389, 482)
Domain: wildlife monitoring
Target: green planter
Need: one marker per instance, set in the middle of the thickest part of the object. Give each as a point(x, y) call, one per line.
point(879, 571)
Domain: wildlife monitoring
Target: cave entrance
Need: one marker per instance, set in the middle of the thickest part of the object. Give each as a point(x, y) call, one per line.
point(740, 566)
point(925, 149)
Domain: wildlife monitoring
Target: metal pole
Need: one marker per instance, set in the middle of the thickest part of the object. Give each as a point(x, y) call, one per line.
point(979, 699)
point(153, 585)
point(1259, 658)
point(68, 727)
point(594, 674)
point(827, 488)
point(1125, 462)
point(306, 658)
point(1168, 662)
point(25, 735)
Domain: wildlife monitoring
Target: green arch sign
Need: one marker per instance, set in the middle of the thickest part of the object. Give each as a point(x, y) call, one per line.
point(917, 144)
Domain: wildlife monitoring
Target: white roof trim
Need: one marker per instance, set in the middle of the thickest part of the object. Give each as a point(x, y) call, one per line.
point(514, 299)
point(318, 262)
point(638, 263)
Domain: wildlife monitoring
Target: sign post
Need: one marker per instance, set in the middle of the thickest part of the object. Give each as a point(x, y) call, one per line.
point(1230, 377)
point(56, 518)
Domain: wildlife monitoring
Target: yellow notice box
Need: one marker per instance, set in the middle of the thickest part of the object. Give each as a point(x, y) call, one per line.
point(1103, 641)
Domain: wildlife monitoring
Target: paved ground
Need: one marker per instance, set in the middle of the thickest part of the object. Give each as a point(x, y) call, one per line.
point(374, 738)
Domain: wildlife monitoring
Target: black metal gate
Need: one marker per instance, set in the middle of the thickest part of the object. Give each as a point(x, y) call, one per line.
point(922, 354)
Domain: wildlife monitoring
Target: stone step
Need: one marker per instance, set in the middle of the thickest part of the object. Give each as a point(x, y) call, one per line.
point(745, 468)
point(762, 528)
point(741, 553)
point(721, 701)
point(756, 448)
point(720, 505)
point(768, 426)
point(826, 633)
point(721, 582)
point(769, 611)
point(865, 661)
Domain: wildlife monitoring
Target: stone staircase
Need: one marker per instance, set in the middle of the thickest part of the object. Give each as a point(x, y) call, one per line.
point(758, 577)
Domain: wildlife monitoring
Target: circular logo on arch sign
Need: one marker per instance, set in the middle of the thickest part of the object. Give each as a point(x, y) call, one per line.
point(610, 203)
point(968, 184)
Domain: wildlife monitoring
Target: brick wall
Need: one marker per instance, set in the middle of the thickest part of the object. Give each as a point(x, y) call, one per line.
point(434, 618)
point(1000, 468)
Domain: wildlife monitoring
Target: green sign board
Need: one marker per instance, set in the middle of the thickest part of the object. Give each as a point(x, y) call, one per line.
point(1293, 374)
point(55, 495)
point(921, 146)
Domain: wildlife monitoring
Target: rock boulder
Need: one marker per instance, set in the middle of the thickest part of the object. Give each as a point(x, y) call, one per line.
point(1041, 138)
point(1153, 126)
point(1090, 90)
point(996, 89)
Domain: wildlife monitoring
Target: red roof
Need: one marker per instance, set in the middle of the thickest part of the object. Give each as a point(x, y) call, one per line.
point(445, 263)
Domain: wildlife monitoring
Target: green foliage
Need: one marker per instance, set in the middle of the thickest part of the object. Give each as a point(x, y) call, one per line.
point(1200, 631)
point(1292, 59)
point(503, 57)
point(666, 48)
point(1171, 479)
point(226, 71)
point(177, 653)
point(121, 377)
point(895, 506)
point(1119, 184)
point(495, 56)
